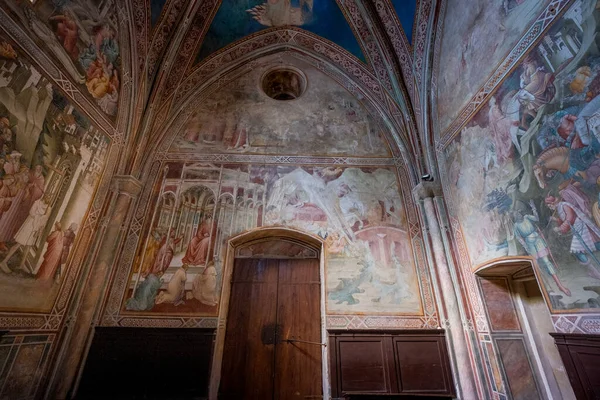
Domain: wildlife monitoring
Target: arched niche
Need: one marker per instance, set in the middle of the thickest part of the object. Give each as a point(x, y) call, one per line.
point(519, 321)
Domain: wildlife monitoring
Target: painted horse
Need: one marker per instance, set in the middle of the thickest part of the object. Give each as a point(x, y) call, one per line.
point(580, 164)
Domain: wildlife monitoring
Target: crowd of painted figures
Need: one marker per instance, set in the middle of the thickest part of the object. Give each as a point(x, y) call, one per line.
point(24, 212)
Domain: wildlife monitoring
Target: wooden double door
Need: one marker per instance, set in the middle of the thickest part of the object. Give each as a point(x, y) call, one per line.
point(272, 342)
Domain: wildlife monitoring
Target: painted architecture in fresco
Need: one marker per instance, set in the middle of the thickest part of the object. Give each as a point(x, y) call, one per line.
point(51, 160)
point(528, 164)
point(467, 38)
point(82, 37)
point(238, 118)
point(357, 211)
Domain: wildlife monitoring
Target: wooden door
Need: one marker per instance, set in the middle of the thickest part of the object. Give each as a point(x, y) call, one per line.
point(274, 310)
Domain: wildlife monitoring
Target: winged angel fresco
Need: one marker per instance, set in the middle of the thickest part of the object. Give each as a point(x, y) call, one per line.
point(282, 13)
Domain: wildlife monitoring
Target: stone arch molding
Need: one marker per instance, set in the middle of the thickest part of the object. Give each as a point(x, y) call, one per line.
point(344, 71)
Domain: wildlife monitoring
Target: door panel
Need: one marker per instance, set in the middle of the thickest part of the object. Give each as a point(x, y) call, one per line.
point(247, 372)
point(298, 364)
point(271, 301)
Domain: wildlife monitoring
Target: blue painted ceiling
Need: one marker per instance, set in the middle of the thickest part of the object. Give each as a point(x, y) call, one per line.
point(156, 7)
point(236, 19)
point(405, 9)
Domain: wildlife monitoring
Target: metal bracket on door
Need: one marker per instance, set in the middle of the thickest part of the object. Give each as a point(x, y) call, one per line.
point(304, 341)
point(270, 334)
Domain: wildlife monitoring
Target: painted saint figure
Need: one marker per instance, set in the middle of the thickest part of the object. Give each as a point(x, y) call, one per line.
point(53, 254)
point(28, 233)
point(197, 251)
point(145, 294)
point(175, 292)
point(532, 240)
point(165, 255)
point(204, 287)
point(68, 239)
point(67, 31)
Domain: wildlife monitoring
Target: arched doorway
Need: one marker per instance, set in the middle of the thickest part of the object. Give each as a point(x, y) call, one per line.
point(520, 323)
point(271, 331)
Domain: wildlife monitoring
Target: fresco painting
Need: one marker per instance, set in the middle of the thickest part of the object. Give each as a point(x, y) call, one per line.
point(51, 159)
point(477, 30)
point(82, 36)
point(238, 118)
point(236, 19)
point(357, 211)
point(524, 174)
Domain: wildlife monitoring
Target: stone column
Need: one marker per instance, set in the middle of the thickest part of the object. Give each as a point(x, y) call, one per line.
point(85, 314)
point(452, 314)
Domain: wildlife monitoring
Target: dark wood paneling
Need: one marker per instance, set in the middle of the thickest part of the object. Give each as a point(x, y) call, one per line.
point(298, 364)
point(363, 366)
point(517, 368)
point(421, 366)
point(147, 363)
point(389, 363)
point(274, 310)
point(581, 357)
point(247, 371)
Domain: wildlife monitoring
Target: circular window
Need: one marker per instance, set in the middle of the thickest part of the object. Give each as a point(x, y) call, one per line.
point(283, 84)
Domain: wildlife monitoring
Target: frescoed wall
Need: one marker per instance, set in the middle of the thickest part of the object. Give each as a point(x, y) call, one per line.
point(357, 211)
point(51, 160)
point(241, 118)
point(523, 175)
point(477, 30)
point(81, 36)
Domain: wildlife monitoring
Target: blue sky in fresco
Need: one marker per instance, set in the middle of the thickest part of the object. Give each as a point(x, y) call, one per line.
point(232, 23)
point(406, 14)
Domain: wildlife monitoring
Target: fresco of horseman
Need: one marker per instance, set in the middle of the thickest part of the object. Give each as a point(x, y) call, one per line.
point(577, 156)
point(576, 220)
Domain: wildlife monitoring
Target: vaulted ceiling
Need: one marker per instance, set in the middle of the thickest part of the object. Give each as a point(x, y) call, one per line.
point(187, 50)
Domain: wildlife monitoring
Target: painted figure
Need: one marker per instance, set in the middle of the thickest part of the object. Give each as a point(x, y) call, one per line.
point(501, 128)
point(537, 88)
point(533, 241)
point(53, 254)
point(197, 251)
point(282, 12)
point(204, 287)
point(154, 244)
point(586, 235)
point(145, 294)
point(67, 31)
point(68, 239)
point(165, 255)
point(28, 233)
point(175, 292)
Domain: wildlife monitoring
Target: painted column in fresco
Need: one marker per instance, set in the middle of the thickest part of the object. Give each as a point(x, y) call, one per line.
point(125, 190)
point(425, 194)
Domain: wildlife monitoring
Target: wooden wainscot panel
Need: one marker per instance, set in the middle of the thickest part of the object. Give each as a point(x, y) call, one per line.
point(148, 363)
point(581, 356)
point(386, 364)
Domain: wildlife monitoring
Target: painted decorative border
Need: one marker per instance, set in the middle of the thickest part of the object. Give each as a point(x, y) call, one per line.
point(577, 323)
